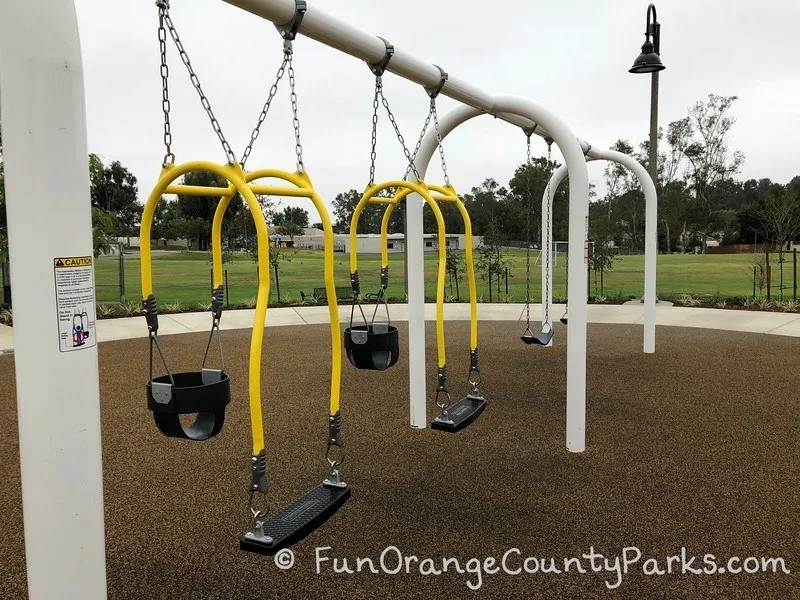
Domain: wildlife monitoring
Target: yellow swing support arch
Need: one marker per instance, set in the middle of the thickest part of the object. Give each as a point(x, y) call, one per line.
point(403, 189)
point(473, 404)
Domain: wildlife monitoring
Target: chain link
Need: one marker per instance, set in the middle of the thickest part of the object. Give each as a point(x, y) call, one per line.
point(419, 142)
point(375, 104)
point(164, 18)
point(549, 234)
point(287, 57)
point(298, 148)
point(169, 156)
point(439, 141)
point(528, 239)
point(398, 134)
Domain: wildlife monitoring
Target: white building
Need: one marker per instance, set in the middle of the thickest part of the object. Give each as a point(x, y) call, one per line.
point(370, 243)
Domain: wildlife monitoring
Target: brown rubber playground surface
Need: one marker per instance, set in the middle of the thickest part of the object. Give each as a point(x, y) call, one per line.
point(697, 446)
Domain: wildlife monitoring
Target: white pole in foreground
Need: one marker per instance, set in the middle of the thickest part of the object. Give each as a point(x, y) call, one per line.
point(58, 401)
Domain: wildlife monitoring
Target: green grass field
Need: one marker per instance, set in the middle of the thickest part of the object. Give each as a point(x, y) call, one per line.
point(185, 277)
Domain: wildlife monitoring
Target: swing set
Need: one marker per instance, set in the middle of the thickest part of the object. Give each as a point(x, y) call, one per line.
point(372, 345)
point(206, 393)
point(375, 345)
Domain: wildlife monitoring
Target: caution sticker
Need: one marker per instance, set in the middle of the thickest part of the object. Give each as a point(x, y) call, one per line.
point(74, 281)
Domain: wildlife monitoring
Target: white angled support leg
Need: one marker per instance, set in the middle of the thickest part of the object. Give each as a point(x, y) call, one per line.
point(650, 238)
point(650, 234)
point(415, 249)
point(547, 244)
point(48, 208)
point(573, 154)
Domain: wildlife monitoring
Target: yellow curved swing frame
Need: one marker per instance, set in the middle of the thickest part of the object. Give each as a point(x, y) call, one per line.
point(445, 193)
point(239, 181)
point(432, 194)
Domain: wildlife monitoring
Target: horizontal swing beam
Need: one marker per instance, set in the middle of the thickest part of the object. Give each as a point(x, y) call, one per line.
point(327, 29)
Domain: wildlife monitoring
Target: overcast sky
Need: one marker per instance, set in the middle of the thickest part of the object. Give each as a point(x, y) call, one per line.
point(572, 56)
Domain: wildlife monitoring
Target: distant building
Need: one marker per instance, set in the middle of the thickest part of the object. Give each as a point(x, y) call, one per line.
point(370, 243)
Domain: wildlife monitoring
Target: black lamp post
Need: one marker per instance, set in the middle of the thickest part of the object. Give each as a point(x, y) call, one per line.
point(649, 61)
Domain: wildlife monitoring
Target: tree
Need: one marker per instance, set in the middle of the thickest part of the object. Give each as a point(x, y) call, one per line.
point(527, 189)
point(290, 229)
point(193, 207)
point(492, 260)
point(103, 226)
point(114, 189)
point(278, 255)
point(710, 161)
point(291, 214)
point(602, 257)
point(344, 205)
point(779, 213)
point(625, 202)
point(455, 265)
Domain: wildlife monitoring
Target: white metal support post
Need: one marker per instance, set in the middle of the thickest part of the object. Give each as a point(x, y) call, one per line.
point(650, 236)
point(48, 208)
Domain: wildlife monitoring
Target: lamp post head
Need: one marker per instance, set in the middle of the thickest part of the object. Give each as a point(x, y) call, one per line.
point(648, 61)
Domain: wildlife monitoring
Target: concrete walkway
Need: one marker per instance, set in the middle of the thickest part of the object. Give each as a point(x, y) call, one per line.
point(775, 323)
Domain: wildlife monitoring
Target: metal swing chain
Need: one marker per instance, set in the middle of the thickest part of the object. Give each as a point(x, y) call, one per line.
point(287, 57)
point(169, 156)
point(375, 104)
point(165, 19)
point(549, 234)
point(528, 244)
point(399, 135)
point(381, 99)
point(439, 141)
point(298, 148)
point(425, 126)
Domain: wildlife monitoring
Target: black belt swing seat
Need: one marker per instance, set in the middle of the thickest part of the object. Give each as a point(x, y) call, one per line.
point(373, 346)
point(204, 393)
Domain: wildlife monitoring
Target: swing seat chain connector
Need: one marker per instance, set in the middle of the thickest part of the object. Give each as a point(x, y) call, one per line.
point(379, 68)
point(289, 30)
point(433, 92)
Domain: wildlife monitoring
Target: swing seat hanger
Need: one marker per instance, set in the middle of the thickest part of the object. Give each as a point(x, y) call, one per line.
point(460, 414)
point(204, 393)
point(295, 521)
point(375, 345)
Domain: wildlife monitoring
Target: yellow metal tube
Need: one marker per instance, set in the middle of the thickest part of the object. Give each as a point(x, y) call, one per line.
point(272, 190)
point(306, 189)
point(199, 190)
point(387, 214)
point(404, 188)
point(235, 176)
